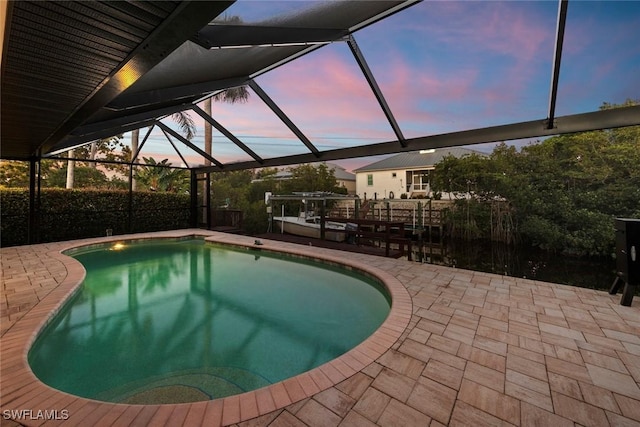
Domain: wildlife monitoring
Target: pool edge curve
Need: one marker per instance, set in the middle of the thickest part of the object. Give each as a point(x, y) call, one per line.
point(21, 388)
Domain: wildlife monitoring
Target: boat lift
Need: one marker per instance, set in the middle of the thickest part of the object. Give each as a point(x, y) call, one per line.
point(320, 197)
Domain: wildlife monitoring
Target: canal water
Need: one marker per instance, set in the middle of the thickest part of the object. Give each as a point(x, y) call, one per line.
point(519, 261)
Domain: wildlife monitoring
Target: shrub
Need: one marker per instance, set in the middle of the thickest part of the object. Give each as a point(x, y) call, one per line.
point(75, 214)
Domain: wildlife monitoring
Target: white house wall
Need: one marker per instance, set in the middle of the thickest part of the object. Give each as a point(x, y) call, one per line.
point(384, 183)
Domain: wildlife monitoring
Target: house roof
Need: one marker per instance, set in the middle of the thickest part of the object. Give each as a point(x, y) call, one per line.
point(417, 159)
point(338, 171)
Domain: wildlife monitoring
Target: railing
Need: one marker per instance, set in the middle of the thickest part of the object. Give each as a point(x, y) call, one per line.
point(226, 218)
point(375, 231)
point(423, 213)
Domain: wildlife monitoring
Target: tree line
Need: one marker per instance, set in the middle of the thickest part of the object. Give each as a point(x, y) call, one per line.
point(560, 194)
point(54, 173)
point(245, 190)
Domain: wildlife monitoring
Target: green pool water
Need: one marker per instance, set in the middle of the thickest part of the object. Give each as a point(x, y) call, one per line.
point(174, 321)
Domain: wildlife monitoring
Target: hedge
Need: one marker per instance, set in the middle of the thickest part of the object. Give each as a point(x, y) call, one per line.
point(76, 214)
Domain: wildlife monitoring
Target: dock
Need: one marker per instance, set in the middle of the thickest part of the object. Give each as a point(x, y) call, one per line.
point(327, 244)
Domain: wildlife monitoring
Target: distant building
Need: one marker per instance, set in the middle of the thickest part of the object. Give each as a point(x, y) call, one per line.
point(344, 179)
point(405, 173)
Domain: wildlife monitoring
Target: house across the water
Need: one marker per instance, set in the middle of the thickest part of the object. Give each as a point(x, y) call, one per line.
point(405, 173)
point(343, 178)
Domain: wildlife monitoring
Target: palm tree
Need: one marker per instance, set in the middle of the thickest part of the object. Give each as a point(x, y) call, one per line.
point(71, 164)
point(159, 176)
point(135, 137)
point(92, 154)
point(71, 169)
point(232, 95)
point(104, 145)
point(186, 123)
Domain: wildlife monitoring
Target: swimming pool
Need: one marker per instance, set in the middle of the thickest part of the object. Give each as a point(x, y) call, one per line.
point(160, 321)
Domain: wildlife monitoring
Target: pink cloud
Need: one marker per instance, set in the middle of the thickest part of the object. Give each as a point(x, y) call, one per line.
point(326, 93)
point(521, 39)
point(442, 66)
point(500, 49)
point(510, 28)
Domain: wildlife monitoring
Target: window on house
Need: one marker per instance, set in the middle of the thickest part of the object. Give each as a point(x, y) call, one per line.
point(369, 179)
point(420, 180)
point(393, 174)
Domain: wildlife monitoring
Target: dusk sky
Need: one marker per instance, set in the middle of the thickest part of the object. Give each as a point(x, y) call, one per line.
point(442, 66)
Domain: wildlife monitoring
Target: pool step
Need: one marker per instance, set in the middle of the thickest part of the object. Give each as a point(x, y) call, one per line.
point(186, 386)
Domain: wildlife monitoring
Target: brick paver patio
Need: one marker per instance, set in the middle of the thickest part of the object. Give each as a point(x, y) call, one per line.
point(460, 348)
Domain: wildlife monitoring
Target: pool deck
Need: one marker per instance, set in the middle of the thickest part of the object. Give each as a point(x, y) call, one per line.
point(459, 348)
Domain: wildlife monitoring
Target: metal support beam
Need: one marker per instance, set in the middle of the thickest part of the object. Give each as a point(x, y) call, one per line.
point(384, 13)
point(400, 6)
point(127, 120)
point(207, 199)
point(597, 120)
point(360, 59)
point(194, 198)
point(34, 200)
point(73, 142)
point(557, 60)
point(184, 161)
point(189, 144)
point(312, 196)
point(144, 140)
point(130, 201)
point(225, 35)
point(128, 101)
point(184, 21)
point(282, 116)
point(228, 134)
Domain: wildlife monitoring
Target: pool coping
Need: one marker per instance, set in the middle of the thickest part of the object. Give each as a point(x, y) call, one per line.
point(23, 389)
